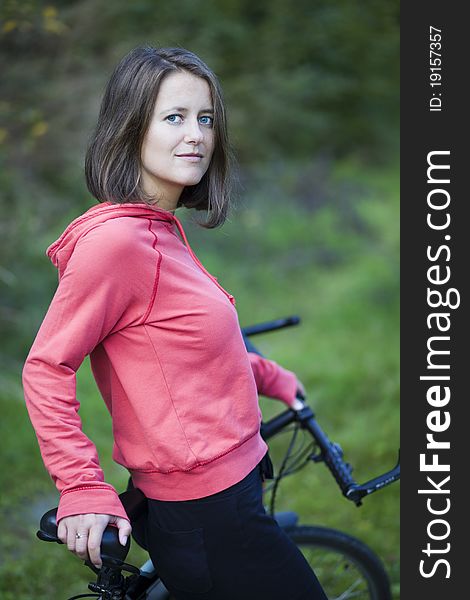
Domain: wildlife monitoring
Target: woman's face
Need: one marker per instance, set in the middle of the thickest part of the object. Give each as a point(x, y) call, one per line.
point(179, 142)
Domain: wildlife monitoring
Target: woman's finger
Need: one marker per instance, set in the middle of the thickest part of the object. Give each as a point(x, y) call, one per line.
point(81, 543)
point(125, 530)
point(62, 532)
point(301, 388)
point(94, 542)
point(71, 537)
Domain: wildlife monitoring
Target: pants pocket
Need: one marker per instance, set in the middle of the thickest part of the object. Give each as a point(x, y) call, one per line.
point(180, 559)
point(266, 467)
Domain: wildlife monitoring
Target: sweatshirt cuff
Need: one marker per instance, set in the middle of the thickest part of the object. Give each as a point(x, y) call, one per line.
point(93, 499)
point(285, 386)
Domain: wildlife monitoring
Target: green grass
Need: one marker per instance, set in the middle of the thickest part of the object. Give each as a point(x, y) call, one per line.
point(335, 264)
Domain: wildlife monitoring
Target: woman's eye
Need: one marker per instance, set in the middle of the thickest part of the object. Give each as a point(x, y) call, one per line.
point(174, 118)
point(206, 121)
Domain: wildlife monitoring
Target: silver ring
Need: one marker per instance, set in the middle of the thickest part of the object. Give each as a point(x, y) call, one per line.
point(78, 535)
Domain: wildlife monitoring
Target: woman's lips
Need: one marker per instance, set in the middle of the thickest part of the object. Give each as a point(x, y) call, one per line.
point(190, 157)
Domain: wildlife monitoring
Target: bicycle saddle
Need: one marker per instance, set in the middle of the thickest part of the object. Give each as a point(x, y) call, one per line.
point(112, 552)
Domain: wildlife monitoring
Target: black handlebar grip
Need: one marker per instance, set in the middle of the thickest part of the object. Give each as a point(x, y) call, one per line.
point(340, 470)
point(48, 527)
point(112, 551)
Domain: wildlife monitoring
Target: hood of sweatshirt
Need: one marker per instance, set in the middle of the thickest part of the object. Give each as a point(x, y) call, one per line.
point(62, 249)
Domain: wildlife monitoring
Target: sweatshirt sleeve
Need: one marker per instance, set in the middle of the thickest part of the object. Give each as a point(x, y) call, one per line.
point(272, 380)
point(91, 302)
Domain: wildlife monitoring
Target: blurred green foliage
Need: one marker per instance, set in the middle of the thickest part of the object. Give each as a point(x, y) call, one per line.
point(302, 80)
point(312, 94)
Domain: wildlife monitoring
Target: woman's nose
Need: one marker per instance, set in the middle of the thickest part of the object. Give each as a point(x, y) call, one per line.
point(193, 133)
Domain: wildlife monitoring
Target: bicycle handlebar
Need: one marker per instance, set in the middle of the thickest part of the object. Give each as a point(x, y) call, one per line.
point(270, 326)
point(332, 455)
point(330, 452)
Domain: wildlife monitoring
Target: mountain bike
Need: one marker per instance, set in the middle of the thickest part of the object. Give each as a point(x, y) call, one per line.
point(345, 566)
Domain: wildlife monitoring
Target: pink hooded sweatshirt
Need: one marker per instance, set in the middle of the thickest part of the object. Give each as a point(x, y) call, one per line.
point(168, 357)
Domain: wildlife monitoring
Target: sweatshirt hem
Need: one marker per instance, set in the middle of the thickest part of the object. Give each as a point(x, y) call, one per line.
point(204, 480)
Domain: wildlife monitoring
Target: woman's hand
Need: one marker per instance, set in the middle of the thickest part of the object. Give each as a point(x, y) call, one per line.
point(300, 389)
point(83, 533)
point(298, 404)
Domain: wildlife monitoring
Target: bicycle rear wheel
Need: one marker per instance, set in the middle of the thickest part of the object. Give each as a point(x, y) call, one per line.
point(345, 566)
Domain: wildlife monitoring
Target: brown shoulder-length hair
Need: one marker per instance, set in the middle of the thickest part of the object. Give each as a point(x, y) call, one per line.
point(113, 163)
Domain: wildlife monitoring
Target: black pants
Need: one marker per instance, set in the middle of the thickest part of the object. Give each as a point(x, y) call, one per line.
point(225, 547)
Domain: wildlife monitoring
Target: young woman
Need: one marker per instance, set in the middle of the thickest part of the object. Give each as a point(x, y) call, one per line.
point(165, 348)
